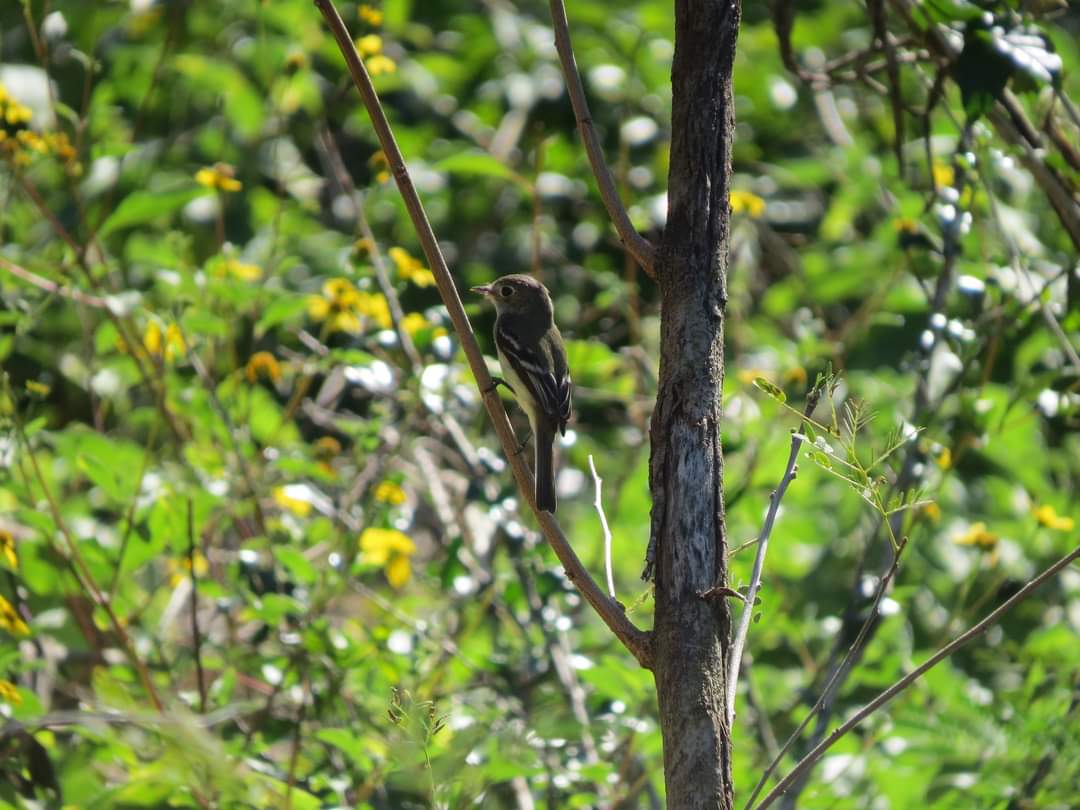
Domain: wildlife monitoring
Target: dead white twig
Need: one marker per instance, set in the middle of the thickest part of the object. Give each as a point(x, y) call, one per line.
point(599, 504)
point(747, 615)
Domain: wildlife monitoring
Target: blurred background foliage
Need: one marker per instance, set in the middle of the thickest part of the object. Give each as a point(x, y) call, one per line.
point(258, 546)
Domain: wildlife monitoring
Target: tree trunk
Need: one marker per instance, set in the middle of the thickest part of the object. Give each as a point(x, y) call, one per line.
point(686, 466)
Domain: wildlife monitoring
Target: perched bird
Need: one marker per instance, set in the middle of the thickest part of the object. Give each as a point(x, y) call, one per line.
point(533, 360)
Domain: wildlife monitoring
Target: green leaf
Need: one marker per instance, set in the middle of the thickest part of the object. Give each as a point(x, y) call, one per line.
point(282, 309)
point(478, 164)
point(298, 566)
point(769, 388)
point(143, 207)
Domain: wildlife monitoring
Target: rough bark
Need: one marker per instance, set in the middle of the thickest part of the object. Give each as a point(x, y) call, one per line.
point(686, 467)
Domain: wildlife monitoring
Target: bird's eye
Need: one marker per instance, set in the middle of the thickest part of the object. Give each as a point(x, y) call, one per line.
point(506, 291)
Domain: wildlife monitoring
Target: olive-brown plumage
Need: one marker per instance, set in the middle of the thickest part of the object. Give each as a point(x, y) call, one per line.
point(533, 360)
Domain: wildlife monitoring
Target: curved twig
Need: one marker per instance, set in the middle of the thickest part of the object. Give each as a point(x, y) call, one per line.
point(914, 675)
point(637, 641)
point(639, 246)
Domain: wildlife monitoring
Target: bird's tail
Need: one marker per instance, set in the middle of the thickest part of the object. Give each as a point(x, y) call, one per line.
point(544, 469)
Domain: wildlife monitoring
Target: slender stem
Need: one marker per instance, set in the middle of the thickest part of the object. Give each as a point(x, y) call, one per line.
point(637, 641)
point(739, 641)
point(902, 684)
point(195, 632)
point(639, 247)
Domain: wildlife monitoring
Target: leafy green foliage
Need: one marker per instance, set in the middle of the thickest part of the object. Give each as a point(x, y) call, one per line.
point(257, 546)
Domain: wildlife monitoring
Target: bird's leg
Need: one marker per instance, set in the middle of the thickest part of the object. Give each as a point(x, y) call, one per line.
point(524, 443)
point(495, 383)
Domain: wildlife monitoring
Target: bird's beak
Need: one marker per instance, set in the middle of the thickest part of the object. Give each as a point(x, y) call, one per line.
point(483, 289)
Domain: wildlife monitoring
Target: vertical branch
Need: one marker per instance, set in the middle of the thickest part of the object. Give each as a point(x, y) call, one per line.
point(688, 533)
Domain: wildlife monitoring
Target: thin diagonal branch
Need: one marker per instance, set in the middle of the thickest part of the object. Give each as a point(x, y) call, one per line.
point(739, 641)
point(902, 684)
point(639, 247)
point(842, 668)
point(52, 287)
point(636, 640)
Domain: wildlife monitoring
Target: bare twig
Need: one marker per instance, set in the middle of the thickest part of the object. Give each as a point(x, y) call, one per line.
point(378, 261)
point(599, 504)
point(902, 684)
point(1014, 259)
point(639, 247)
point(739, 641)
point(196, 634)
point(51, 286)
point(294, 749)
point(635, 639)
point(842, 668)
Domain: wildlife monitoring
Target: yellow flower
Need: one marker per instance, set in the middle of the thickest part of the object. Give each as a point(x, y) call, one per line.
point(60, 145)
point(747, 375)
point(414, 322)
point(11, 111)
point(977, 535)
point(238, 269)
point(32, 141)
point(9, 693)
point(7, 548)
point(943, 175)
point(284, 499)
point(391, 493)
point(1047, 516)
point(327, 447)
point(410, 268)
point(374, 306)
point(931, 511)
point(10, 619)
point(180, 569)
point(795, 374)
point(379, 64)
point(380, 165)
point(372, 16)
point(944, 459)
point(296, 59)
point(338, 306)
point(35, 387)
point(369, 45)
point(392, 550)
point(169, 343)
point(220, 176)
point(263, 364)
point(747, 201)
point(906, 225)
point(362, 247)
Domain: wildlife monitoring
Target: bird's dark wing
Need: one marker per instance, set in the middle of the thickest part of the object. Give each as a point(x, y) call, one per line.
point(533, 365)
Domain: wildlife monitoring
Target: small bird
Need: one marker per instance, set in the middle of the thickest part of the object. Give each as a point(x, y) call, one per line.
point(533, 360)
